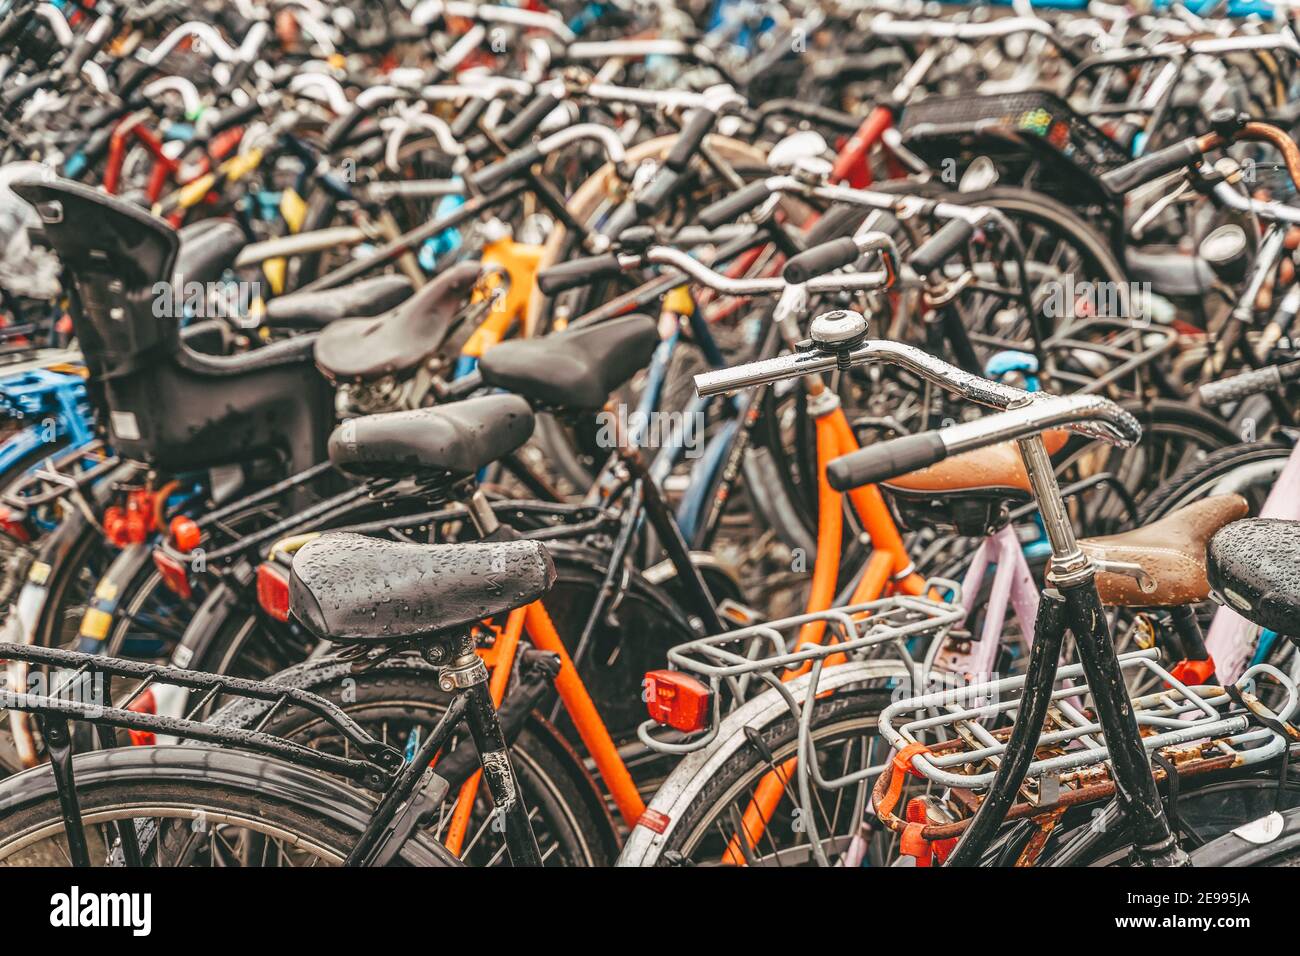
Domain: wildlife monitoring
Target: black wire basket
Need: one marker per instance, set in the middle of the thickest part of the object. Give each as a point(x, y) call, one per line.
point(1034, 134)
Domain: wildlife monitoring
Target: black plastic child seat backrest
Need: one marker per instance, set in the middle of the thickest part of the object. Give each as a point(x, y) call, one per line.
point(169, 405)
point(117, 254)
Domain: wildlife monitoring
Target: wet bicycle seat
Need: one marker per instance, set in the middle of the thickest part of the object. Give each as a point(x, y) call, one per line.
point(362, 350)
point(313, 310)
point(207, 249)
point(574, 369)
point(456, 439)
point(1254, 568)
point(1170, 553)
point(971, 492)
point(355, 589)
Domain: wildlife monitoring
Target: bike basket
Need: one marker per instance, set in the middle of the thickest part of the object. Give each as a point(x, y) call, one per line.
point(1012, 129)
point(737, 664)
point(953, 739)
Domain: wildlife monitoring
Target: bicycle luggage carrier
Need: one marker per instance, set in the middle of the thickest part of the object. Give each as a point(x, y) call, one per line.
point(944, 737)
point(775, 649)
point(1010, 128)
point(74, 672)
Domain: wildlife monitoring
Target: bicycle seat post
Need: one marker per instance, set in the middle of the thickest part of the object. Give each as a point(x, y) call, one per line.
point(1072, 576)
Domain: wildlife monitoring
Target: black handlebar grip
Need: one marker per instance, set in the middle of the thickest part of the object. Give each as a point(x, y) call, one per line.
point(697, 126)
point(238, 73)
point(133, 82)
point(820, 260)
point(234, 116)
point(518, 130)
point(657, 192)
point(342, 128)
point(84, 49)
point(730, 208)
point(935, 251)
point(885, 460)
point(490, 177)
point(622, 218)
point(1246, 384)
point(577, 272)
point(1152, 166)
point(467, 119)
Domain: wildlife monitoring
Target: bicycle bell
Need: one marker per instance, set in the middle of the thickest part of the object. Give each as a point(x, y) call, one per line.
point(838, 333)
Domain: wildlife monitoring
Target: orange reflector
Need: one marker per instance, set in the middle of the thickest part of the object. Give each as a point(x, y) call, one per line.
point(144, 704)
point(273, 589)
point(677, 700)
point(174, 573)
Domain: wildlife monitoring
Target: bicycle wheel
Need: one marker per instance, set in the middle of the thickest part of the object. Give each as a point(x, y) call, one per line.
point(706, 828)
point(1247, 469)
point(1271, 840)
point(15, 557)
point(399, 705)
point(1174, 437)
point(191, 806)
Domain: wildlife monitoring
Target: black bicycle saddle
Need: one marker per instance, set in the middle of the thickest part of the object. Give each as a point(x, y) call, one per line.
point(573, 369)
point(1254, 567)
point(351, 588)
point(456, 439)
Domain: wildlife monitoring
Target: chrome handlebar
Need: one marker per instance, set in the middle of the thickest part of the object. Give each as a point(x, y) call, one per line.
point(1090, 415)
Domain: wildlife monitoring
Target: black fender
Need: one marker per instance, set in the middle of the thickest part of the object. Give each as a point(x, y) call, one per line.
point(207, 623)
point(72, 530)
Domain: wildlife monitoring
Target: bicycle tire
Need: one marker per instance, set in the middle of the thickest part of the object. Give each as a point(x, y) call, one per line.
point(701, 778)
point(849, 715)
point(550, 774)
point(1192, 483)
point(201, 785)
point(1234, 849)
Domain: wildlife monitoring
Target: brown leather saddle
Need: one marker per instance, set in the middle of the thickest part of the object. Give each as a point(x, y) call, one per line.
point(1158, 565)
point(1165, 559)
point(971, 493)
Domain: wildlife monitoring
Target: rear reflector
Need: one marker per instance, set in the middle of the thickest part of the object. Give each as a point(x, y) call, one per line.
point(11, 523)
point(677, 700)
point(175, 574)
point(273, 589)
point(144, 704)
point(653, 820)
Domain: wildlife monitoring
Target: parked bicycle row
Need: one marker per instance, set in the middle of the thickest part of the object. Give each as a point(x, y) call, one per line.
point(840, 434)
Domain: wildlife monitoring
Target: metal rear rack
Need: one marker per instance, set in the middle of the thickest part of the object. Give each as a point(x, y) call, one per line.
point(1202, 721)
point(75, 671)
point(775, 650)
point(946, 739)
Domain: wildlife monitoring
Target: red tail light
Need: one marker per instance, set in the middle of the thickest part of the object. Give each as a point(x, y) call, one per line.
point(144, 704)
point(185, 533)
point(175, 575)
point(11, 523)
point(115, 525)
point(273, 589)
point(677, 700)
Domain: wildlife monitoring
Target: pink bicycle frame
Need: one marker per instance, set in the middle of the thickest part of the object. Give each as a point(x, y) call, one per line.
point(1013, 586)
